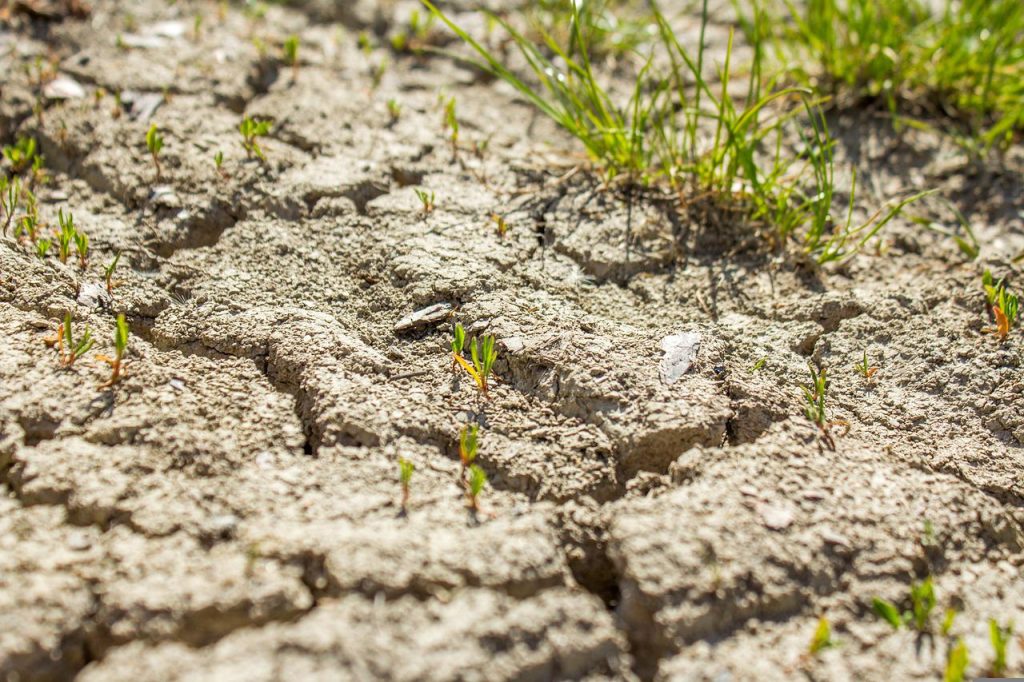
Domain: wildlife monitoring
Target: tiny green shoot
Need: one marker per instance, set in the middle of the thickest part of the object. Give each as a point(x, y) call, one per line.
point(405, 471)
point(458, 343)
point(956, 663)
point(71, 349)
point(477, 481)
point(758, 365)
point(10, 192)
point(922, 603)
point(22, 154)
point(251, 130)
point(120, 347)
point(999, 636)
point(451, 123)
point(155, 143)
point(467, 448)
point(394, 109)
point(108, 274)
point(1005, 306)
point(864, 368)
point(814, 396)
point(82, 248)
point(502, 225)
point(66, 236)
point(426, 199)
point(947, 622)
point(822, 638)
point(43, 247)
point(291, 54)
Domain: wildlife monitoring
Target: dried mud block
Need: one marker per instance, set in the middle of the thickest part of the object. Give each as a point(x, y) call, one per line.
point(358, 180)
point(45, 603)
point(761, 532)
point(477, 634)
point(174, 588)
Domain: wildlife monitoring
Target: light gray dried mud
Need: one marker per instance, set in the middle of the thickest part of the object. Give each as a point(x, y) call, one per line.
point(230, 509)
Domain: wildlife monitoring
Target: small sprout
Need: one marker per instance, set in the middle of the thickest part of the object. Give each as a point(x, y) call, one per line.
point(120, 346)
point(888, 612)
point(405, 470)
point(43, 247)
point(10, 192)
point(22, 154)
point(956, 663)
point(291, 54)
point(66, 236)
point(1004, 305)
point(82, 248)
point(378, 73)
point(458, 343)
point(364, 43)
point(922, 602)
point(197, 27)
point(467, 449)
point(484, 356)
point(477, 481)
point(394, 109)
point(218, 162)
point(999, 635)
point(70, 349)
point(154, 143)
point(758, 366)
point(814, 395)
point(822, 638)
point(426, 199)
point(251, 130)
point(947, 622)
point(501, 223)
point(451, 122)
point(864, 368)
point(38, 175)
point(108, 274)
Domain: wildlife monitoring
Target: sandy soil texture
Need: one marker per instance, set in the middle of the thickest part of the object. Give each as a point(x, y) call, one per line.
point(230, 509)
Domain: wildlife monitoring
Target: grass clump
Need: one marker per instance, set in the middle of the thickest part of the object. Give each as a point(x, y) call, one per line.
point(866, 369)
point(22, 155)
point(814, 407)
point(66, 236)
point(426, 199)
point(681, 130)
point(963, 59)
point(918, 616)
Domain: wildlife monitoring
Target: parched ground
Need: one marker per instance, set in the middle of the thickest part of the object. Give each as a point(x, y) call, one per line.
point(230, 509)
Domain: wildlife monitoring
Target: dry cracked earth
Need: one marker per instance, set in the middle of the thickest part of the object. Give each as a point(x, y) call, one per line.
point(231, 508)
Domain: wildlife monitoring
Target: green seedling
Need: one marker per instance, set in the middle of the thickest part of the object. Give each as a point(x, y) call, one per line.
point(68, 348)
point(66, 236)
point(451, 123)
point(458, 343)
point(467, 449)
point(364, 43)
point(120, 347)
point(1005, 306)
point(251, 130)
point(377, 74)
point(922, 603)
point(956, 663)
point(947, 622)
point(501, 224)
point(415, 36)
point(108, 274)
point(822, 638)
point(814, 395)
point(864, 368)
point(82, 248)
point(10, 193)
point(394, 109)
point(426, 199)
point(484, 355)
point(759, 365)
point(405, 471)
point(43, 248)
point(999, 636)
point(155, 143)
point(290, 49)
point(22, 154)
point(197, 27)
point(477, 481)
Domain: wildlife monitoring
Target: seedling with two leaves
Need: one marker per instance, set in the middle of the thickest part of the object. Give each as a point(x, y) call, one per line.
point(814, 395)
point(467, 449)
point(251, 131)
point(120, 347)
point(22, 155)
point(477, 481)
point(922, 603)
point(865, 369)
point(405, 471)
point(426, 199)
point(822, 638)
point(1005, 306)
point(68, 348)
point(155, 143)
point(482, 353)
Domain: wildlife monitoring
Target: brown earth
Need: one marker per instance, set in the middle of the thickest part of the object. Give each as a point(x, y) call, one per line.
point(230, 509)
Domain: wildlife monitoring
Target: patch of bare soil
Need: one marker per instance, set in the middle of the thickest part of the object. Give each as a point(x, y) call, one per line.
point(230, 508)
